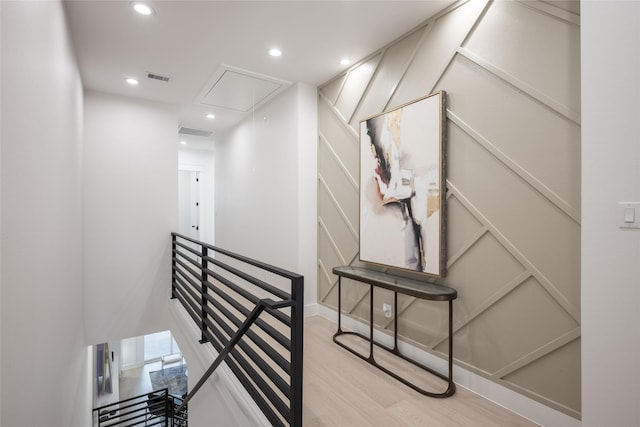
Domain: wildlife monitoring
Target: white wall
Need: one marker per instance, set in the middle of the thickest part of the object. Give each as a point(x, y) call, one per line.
point(265, 193)
point(307, 191)
point(130, 209)
point(203, 162)
point(610, 174)
point(45, 364)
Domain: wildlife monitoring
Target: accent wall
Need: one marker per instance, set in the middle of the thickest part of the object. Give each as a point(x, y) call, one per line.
point(511, 71)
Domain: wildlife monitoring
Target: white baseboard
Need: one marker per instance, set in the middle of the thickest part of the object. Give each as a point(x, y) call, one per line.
point(500, 395)
point(311, 310)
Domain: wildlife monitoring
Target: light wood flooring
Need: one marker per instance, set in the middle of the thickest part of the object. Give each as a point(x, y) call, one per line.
point(136, 381)
point(343, 390)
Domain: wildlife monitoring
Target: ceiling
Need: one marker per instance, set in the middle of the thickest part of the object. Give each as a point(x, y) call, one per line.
point(199, 43)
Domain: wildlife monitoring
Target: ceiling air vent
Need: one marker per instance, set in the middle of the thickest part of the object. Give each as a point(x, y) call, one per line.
point(196, 132)
point(157, 77)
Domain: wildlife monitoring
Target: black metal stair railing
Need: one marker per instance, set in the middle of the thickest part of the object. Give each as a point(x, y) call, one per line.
point(148, 409)
point(252, 314)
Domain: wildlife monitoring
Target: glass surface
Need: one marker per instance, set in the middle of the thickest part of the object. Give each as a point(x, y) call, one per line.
point(158, 345)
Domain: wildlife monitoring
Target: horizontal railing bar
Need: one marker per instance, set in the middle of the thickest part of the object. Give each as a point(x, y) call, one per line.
point(188, 268)
point(187, 284)
point(252, 373)
point(264, 387)
point(249, 278)
point(193, 258)
point(140, 396)
point(188, 289)
point(216, 292)
point(276, 357)
point(239, 358)
point(189, 248)
point(224, 352)
point(177, 254)
point(195, 314)
point(270, 268)
point(266, 348)
point(194, 298)
point(140, 413)
point(244, 293)
point(184, 281)
point(125, 415)
point(264, 406)
point(270, 330)
point(236, 321)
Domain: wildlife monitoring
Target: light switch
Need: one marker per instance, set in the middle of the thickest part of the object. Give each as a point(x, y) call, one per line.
point(629, 215)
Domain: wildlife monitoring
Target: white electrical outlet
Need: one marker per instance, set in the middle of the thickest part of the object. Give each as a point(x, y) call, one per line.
point(386, 309)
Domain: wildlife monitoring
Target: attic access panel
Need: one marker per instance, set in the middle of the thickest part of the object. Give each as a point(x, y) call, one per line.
point(240, 90)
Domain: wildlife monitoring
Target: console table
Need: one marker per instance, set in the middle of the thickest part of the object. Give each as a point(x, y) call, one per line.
point(414, 288)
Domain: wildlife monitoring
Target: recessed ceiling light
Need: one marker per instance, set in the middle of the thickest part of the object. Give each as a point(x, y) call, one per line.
point(183, 142)
point(345, 61)
point(211, 116)
point(131, 81)
point(143, 9)
point(275, 52)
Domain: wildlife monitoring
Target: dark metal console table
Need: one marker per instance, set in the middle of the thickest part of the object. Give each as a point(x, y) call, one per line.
point(414, 288)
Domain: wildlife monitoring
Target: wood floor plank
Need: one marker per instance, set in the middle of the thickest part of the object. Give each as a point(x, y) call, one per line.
point(343, 390)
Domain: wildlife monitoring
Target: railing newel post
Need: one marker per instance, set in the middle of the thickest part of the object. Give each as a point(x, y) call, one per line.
point(173, 265)
point(203, 292)
point(297, 327)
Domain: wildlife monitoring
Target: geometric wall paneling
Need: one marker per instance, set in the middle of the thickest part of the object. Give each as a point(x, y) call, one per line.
point(511, 329)
point(545, 227)
point(327, 293)
point(331, 90)
point(531, 268)
point(328, 258)
point(492, 267)
point(337, 224)
point(341, 140)
point(353, 88)
point(541, 376)
point(513, 188)
point(355, 294)
point(544, 37)
point(335, 180)
point(423, 321)
point(467, 230)
point(490, 108)
point(394, 63)
point(445, 34)
point(383, 296)
point(570, 7)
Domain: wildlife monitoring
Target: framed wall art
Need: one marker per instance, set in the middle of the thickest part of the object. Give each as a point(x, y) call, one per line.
point(402, 187)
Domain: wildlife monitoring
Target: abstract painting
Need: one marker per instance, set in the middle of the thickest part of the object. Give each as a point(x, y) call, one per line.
point(402, 186)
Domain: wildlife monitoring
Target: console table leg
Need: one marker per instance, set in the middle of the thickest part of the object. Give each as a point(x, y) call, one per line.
point(370, 322)
point(450, 341)
point(339, 302)
point(395, 321)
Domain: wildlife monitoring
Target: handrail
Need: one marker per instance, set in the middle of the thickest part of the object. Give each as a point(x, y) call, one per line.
point(252, 322)
point(262, 304)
